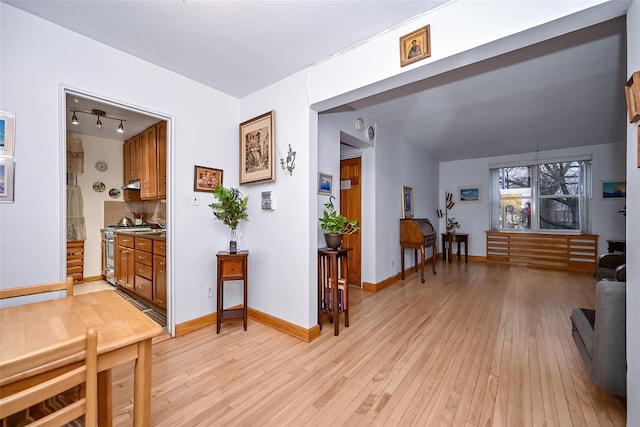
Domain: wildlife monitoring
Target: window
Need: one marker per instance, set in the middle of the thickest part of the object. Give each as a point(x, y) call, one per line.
point(541, 197)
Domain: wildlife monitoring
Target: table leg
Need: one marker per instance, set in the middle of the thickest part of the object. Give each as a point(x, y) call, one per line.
point(466, 251)
point(402, 263)
point(415, 260)
point(105, 401)
point(422, 264)
point(444, 251)
point(459, 250)
point(142, 386)
point(433, 258)
point(336, 313)
point(449, 249)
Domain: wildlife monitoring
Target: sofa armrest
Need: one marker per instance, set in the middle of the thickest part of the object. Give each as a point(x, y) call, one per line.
point(609, 358)
point(621, 273)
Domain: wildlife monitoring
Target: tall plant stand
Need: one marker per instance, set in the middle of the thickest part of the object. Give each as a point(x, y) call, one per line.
point(231, 266)
point(333, 291)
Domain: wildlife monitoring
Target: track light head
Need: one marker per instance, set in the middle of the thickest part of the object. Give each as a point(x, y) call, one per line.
point(120, 127)
point(74, 119)
point(99, 123)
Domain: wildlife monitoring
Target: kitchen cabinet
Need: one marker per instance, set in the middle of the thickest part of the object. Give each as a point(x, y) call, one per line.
point(143, 266)
point(131, 166)
point(149, 164)
point(124, 261)
point(161, 137)
point(160, 273)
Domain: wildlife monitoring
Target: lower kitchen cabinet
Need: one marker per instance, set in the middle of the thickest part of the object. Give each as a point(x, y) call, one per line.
point(140, 267)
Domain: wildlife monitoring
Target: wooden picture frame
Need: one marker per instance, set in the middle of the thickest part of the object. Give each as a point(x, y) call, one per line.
point(206, 179)
point(613, 189)
point(325, 184)
point(639, 146)
point(632, 93)
point(470, 194)
point(415, 46)
point(407, 202)
point(7, 175)
point(257, 149)
point(7, 133)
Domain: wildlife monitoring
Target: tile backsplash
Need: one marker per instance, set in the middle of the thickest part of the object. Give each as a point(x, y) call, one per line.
point(150, 210)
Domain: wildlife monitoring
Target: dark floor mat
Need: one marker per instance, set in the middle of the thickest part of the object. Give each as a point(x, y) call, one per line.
point(152, 312)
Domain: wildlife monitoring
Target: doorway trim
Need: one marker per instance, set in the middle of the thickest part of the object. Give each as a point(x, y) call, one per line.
point(65, 90)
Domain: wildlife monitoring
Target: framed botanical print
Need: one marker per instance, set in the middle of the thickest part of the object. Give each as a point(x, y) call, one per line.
point(257, 149)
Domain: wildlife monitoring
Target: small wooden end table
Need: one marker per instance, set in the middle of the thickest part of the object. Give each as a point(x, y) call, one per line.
point(231, 266)
point(332, 274)
point(447, 243)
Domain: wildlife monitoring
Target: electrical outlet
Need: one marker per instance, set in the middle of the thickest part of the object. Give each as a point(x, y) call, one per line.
point(209, 291)
point(195, 200)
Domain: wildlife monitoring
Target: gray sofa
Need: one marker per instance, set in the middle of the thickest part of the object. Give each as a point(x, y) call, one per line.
point(600, 335)
point(608, 265)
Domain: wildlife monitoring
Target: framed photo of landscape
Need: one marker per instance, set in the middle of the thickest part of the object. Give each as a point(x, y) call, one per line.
point(7, 124)
point(470, 194)
point(257, 149)
point(325, 183)
point(614, 189)
point(415, 46)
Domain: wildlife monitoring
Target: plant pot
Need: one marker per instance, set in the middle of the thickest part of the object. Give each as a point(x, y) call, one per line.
point(451, 230)
point(334, 240)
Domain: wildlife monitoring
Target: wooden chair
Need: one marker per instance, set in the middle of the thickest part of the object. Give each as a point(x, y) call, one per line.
point(84, 375)
point(38, 289)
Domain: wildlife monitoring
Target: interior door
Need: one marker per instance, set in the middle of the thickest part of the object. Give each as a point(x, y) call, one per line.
point(350, 206)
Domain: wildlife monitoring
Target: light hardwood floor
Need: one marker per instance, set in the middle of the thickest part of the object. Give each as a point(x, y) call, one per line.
point(476, 345)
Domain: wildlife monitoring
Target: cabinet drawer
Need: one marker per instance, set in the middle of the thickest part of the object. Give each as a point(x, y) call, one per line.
point(126, 241)
point(143, 287)
point(144, 271)
point(159, 247)
point(232, 269)
point(143, 257)
point(144, 244)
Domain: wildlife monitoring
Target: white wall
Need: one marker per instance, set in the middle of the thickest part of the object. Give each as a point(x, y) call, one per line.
point(37, 59)
point(633, 231)
point(608, 163)
point(109, 151)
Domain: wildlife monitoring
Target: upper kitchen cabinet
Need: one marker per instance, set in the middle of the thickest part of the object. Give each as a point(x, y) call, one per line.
point(131, 166)
point(145, 161)
point(149, 164)
point(161, 135)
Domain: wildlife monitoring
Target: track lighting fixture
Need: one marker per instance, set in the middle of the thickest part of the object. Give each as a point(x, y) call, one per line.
point(99, 114)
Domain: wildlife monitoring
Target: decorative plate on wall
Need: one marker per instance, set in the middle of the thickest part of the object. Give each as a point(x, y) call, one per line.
point(99, 187)
point(114, 193)
point(101, 166)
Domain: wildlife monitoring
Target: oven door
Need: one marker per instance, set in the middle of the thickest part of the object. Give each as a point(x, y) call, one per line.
point(110, 249)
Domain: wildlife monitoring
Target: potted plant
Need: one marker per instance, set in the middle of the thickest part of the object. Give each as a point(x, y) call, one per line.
point(335, 226)
point(230, 207)
point(452, 225)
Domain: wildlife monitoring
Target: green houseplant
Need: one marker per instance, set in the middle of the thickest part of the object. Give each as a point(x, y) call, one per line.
point(335, 226)
point(230, 207)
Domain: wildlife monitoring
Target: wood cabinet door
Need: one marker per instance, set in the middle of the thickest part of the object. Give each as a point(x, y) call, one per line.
point(124, 264)
point(350, 206)
point(161, 138)
point(160, 281)
point(130, 265)
point(149, 180)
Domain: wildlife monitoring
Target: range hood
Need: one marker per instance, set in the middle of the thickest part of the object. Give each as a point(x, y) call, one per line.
point(134, 185)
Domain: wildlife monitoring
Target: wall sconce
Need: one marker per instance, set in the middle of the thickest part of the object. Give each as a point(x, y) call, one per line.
point(290, 163)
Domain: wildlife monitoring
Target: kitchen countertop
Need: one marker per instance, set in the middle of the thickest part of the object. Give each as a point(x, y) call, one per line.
point(153, 235)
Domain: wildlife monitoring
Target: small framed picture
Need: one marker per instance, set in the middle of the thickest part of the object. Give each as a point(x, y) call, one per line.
point(257, 149)
point(7, 126)
point(614, 189)
point(206, 179)
point(7, 173)
point(407, 202)
point(632, 93)
point(470, 194)
point(325, 183)
point(415, 46)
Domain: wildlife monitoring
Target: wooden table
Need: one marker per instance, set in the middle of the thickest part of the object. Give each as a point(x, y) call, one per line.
point(231, 266)
point(124, 334)
point(616, 245)
point(332, 273)
point(447, 242)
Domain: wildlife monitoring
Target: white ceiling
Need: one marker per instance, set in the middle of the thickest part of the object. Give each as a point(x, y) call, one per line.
point(562, 93)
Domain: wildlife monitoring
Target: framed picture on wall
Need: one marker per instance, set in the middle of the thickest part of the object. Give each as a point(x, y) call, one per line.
point(632, 93)
point(614, 189)
point(415, 46)
point(7, 124)
point(257, 149)
point(325, 183)
point(470, 194)
point(206, 179)
point(407, 202)
point(7, 173)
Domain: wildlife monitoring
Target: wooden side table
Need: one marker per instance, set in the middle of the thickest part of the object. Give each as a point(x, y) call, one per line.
point(332, 268)
point(454, 237)
point(231, 267)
